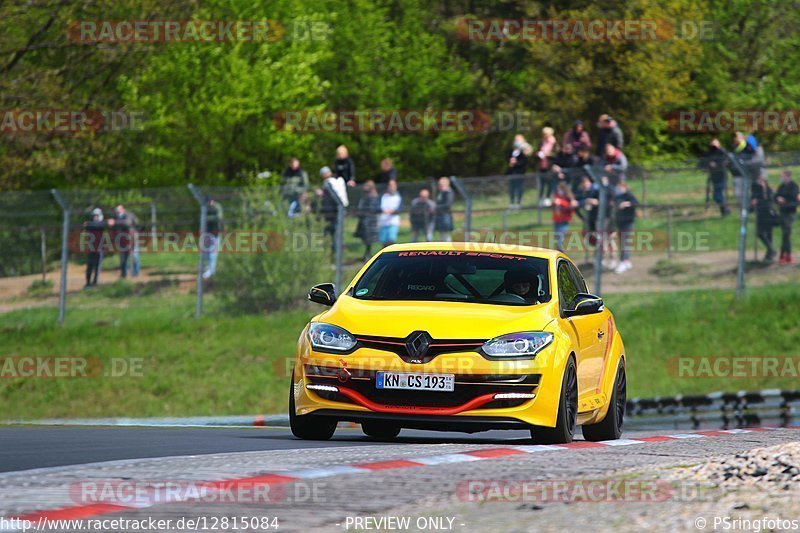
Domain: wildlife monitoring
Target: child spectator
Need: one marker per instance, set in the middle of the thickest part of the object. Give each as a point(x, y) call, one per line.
point(421, 214)
point(564, 205)
point(787, 197)
point(443, 221)
point(389, 220)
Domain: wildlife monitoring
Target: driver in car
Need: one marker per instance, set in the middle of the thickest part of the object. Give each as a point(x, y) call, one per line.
point(519, 283)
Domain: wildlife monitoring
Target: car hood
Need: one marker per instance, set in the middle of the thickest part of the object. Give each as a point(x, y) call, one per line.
point(442, 320)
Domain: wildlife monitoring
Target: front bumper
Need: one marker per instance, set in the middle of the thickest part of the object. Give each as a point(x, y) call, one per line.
point(344, 387)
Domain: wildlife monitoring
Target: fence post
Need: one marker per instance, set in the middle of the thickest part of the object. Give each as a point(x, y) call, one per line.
point(540, 189)
point(153, 233)
point(198, 309)
point(669, 232)
point(467, 205)
point(62, 293)
point(338, 235)
point(599, 228)
point(43, 238)
point(740, 287)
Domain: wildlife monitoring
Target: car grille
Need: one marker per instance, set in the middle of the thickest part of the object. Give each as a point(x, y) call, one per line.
point(467, 387)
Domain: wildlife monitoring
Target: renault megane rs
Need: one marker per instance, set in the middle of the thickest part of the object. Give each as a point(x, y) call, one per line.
point(465, 337)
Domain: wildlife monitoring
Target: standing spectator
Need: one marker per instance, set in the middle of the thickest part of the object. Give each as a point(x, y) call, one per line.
point(761, 202)
point(210, 237)
point(421, 214)
point(294, 181)
point(615, 164)
point(443, 221)
point(344, 167)
point(588, 198)
point(577, 137)
point(547, 149)
point(715, 161)
point(389, 221)
point(125, 224)
point(388, 172)
point(744, 152)
point(787, 196)
point(369, 207)
point(565, 165)
point(517, 166)
point(329, 207)
point(300, 207)
point(625, 207)
point(564, 205)
point(94, 261)
point(609, 132)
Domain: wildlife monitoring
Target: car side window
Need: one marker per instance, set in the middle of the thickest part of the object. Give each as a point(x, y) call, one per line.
point(567, 288)
point(579, 278)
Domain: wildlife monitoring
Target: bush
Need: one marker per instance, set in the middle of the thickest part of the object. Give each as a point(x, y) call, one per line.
point(296, 258)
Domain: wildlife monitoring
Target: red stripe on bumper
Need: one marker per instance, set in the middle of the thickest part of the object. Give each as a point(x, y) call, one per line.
point(414, 410)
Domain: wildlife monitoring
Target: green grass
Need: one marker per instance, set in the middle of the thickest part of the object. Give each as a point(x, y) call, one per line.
point(222, 364)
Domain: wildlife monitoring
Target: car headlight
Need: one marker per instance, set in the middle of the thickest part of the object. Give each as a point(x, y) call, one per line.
point(330, 338)
point(522, 344)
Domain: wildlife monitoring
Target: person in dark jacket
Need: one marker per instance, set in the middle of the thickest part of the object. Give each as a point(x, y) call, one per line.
point(443, 221)
point(344, 167)
point(787, 197)
point(421, 214)
point(625, 204)
point(518, 160)
point(565, 165)
point(716, 162)
point(609, 132)
point(294, 181)
point(125, 224)
point(388, 172)
point(369, 208)
point(761, 200)
point(95, 245)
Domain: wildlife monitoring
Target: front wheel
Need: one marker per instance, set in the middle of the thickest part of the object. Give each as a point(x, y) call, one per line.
point(567, 411)
point(309, 427)
point(610, 428)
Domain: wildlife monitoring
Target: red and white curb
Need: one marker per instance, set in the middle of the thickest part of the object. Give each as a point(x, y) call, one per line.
point(279, 478)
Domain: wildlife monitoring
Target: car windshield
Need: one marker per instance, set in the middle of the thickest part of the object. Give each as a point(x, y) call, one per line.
point(462, 276)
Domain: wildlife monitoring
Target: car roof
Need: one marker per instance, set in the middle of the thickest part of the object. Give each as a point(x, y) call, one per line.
point(545, 253)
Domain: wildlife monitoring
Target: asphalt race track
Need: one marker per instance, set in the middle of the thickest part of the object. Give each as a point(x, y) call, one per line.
point(424, 477)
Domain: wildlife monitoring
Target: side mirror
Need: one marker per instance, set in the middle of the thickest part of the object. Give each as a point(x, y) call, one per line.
point(584, 304)
point(324, 293)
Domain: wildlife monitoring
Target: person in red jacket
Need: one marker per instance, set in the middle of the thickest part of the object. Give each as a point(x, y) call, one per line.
point(564, 205)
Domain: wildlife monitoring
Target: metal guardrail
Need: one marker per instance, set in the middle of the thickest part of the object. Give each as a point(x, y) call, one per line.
point(723, 410)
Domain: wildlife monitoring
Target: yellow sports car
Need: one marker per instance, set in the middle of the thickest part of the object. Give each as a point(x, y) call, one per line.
point(464, 337)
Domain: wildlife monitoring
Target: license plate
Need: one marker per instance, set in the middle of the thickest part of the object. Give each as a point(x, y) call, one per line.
point(430, 382)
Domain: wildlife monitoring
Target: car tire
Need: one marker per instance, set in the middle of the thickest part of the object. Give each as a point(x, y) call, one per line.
point(380, 430)
point(309, 427)
point(610, 428)
point(567, 411)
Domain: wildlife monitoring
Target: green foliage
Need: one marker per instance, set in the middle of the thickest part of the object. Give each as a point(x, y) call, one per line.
point(252, 279)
